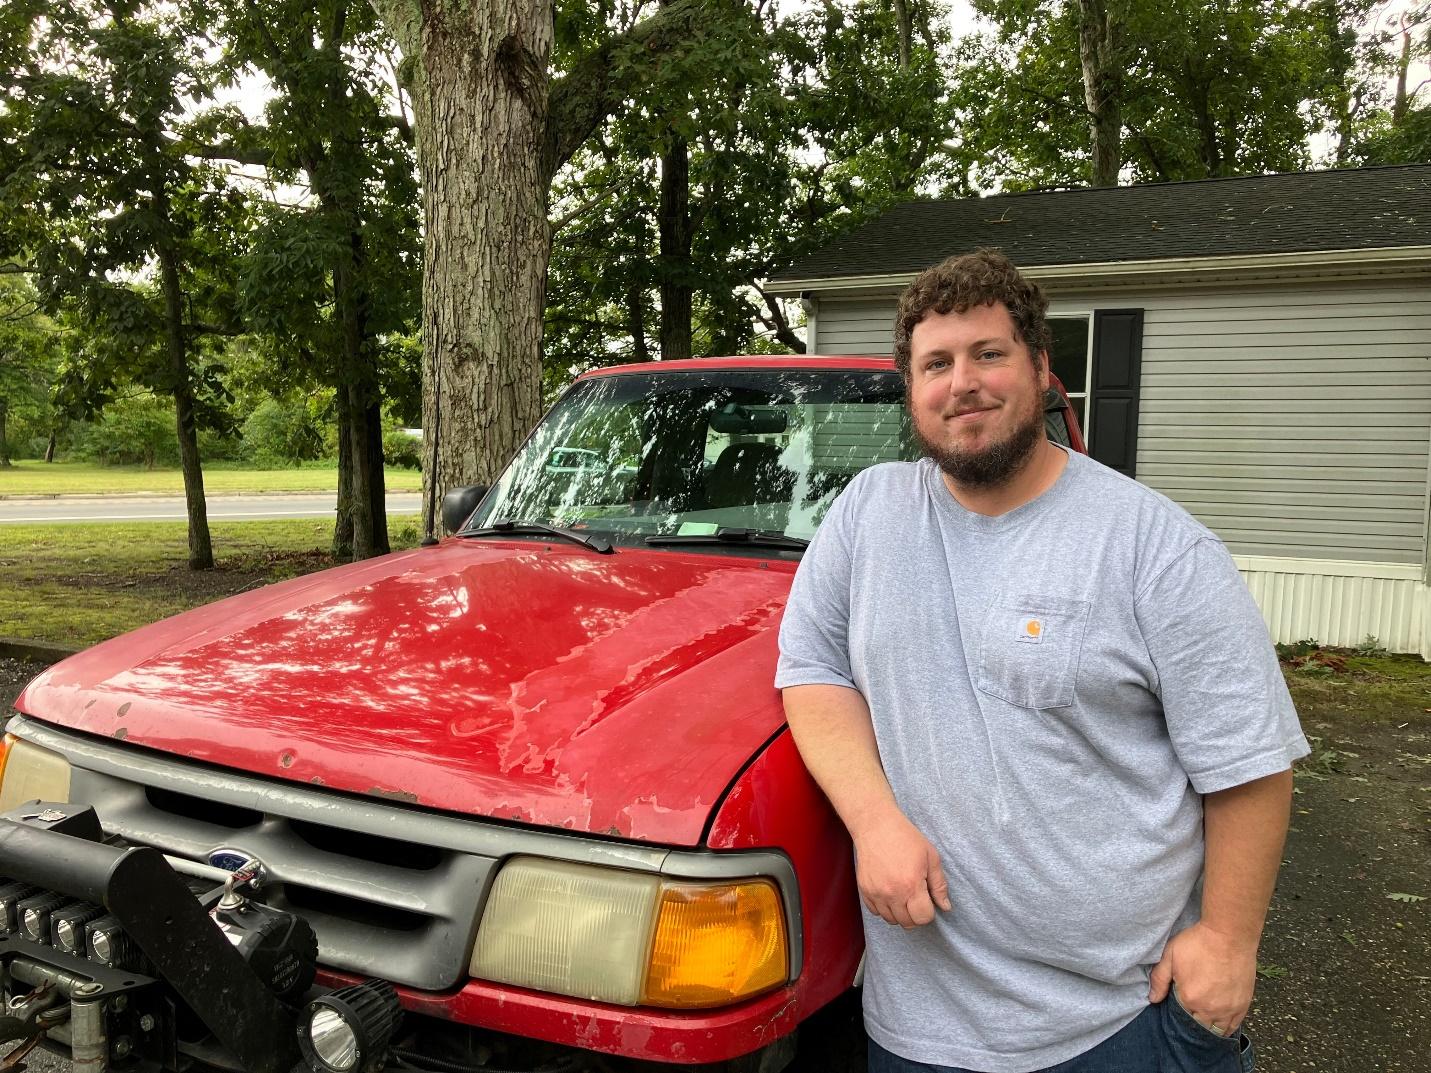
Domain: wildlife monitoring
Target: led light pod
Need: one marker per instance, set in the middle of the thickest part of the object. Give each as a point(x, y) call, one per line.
point(67, 926)
point(348, 1031)
point(11, 894)
point(106, 942)
point(35, 913)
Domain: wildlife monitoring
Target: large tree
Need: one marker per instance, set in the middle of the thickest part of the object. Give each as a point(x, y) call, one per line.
point(118, 223)
point(332, 277)
point(494, 125)
point(1397, 127)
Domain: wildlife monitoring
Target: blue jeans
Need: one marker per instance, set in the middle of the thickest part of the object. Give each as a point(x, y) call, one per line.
point(1162, 1039)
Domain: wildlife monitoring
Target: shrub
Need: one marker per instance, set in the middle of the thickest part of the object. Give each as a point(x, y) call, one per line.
point(401, 448)
point(283, 432)
point(138, 430)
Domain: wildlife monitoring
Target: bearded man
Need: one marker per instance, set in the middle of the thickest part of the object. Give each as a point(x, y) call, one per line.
point(1047, 709)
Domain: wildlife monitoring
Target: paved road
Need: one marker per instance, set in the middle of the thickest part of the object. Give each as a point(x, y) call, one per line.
point(140, 508)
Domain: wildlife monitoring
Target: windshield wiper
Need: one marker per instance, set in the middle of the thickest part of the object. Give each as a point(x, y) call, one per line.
point(765, 538)
point(506, 526)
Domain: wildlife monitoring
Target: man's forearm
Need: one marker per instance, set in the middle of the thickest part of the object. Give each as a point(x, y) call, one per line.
point(1244, 828)
point(832, 730)
point(897, 869)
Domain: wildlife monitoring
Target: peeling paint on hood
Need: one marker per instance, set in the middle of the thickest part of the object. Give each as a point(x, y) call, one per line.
point(614, 694)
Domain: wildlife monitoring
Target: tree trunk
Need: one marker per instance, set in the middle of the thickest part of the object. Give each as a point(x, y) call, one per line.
point(201, 549)
point(1341, 65)
point(674, 262)
point(1209, 150)
point(343, 524)
point(50, 447)
point(377, 487)
point(636, 324)
point(491, 132)
point(906, 31)
point(358, 383)
point(1401, 102)
point(480, 101)
point(1098, 46)
point(4, 446)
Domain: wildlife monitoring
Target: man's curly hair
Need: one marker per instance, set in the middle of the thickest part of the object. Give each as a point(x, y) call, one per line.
point(961, 283)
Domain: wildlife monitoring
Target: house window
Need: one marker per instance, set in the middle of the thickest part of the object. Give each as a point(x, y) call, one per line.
point(1072, 361)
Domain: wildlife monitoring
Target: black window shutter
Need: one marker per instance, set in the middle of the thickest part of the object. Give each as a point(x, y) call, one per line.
point(1113, 398)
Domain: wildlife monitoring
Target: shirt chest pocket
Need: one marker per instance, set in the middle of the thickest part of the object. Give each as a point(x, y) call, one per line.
point(1029, 651)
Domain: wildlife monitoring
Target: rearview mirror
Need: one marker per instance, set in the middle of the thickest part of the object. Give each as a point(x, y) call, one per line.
point(732, 419)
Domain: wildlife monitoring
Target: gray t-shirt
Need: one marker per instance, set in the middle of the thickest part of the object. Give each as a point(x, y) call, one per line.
point(1051, 690)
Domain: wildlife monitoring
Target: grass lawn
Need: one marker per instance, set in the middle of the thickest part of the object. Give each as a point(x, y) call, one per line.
point(78, 584)
point(33, 478)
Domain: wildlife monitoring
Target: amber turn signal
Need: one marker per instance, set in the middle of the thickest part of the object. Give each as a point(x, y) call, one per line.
point(715, 944)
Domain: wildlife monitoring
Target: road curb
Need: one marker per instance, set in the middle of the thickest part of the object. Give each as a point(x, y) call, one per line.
point(36, 651)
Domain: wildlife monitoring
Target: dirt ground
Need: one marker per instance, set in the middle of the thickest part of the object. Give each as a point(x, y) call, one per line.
point(1346, 962)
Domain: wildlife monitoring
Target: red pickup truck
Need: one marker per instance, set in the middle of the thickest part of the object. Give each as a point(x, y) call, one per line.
point(534, 780)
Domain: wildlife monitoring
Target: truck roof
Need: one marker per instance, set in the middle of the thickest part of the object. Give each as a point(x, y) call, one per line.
point(755, 361)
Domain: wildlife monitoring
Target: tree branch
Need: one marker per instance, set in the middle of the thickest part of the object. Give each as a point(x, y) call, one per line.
point(597, 85)
point(777, 323)
point(239, 154)
point(599, 198)
point(201, 328)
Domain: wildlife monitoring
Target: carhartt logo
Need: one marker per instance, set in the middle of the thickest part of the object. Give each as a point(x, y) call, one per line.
point(1031, 630)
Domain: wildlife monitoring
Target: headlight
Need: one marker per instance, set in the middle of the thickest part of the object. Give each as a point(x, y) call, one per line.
point(30, 773)
point(631, 938)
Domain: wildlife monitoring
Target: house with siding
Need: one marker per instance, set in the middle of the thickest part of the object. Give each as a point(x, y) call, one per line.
point(1258, 349)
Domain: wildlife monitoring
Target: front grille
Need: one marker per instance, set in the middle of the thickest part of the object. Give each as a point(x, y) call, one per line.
point(379, 905)
point(392, 891)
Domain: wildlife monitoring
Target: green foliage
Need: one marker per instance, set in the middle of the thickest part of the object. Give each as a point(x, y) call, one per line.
point(30, 349)
point(401, 447)
point(286, 431)
point(1370, 646)
point(1404, 141)
point(1298, 649)
point(1233, 88)
point(133, 430)
point(131, 242)
point(327, 280)
point(793, 129)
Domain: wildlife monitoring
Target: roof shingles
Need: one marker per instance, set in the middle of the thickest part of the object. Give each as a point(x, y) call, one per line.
point(1366, 208)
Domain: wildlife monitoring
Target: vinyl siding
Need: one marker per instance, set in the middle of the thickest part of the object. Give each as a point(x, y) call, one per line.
point(1293, 420)
point(855, 326)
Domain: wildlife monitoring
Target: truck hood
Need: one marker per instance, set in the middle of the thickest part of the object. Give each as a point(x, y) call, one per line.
point(609, 694)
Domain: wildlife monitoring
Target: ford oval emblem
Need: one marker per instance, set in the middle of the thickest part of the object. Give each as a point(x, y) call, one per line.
point(232, 859)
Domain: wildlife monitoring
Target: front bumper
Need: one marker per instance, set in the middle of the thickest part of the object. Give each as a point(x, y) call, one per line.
point(651, 1035)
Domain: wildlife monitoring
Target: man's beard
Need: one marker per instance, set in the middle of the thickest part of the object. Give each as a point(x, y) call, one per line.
point(997, 463)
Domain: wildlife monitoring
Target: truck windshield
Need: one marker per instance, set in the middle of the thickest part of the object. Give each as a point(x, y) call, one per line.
point(635, 455)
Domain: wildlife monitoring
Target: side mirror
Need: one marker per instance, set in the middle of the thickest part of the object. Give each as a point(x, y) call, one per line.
point(458, 505)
